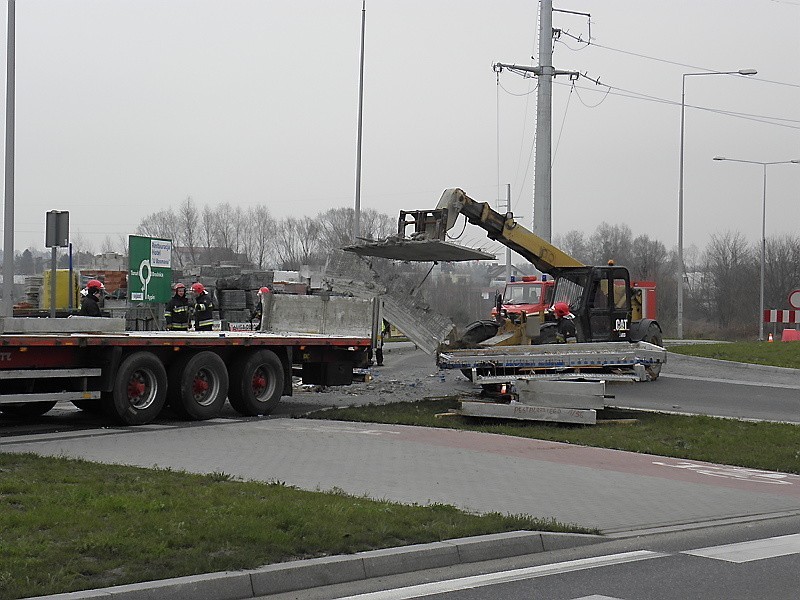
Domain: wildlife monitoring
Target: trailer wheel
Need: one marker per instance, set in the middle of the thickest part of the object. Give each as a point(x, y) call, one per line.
point(256, 384)
point(140, 390)
point(198, 386)
point(32, 409)
point(653, 336)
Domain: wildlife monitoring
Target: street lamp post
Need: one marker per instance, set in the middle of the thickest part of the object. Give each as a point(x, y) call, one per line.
point(764, 165)
point(681, 267)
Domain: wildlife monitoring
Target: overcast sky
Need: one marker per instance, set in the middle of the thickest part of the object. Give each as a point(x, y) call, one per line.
point(126, 107)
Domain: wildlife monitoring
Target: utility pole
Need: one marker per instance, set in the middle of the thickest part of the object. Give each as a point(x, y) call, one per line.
point(508, 250)
point(542, 186)
point(8, 221)
point(357, 211)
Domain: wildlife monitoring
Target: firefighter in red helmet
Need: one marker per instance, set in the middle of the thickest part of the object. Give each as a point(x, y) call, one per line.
point(176, 313)
point(203, 308)
point(258, 309)
point(90, 304)
point(566, 331)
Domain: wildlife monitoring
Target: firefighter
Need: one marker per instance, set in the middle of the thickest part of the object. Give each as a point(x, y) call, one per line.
point(90, 303)
point(566, 332)
point(203, 307)
point(176, 313)
point(379, 350)
point(258, 309)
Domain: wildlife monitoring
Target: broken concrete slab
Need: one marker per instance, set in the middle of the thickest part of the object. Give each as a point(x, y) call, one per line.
point(419, 251)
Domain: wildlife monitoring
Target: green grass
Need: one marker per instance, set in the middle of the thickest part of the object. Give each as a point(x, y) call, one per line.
point(68, 525)
point(778, 354)
point(769, 446)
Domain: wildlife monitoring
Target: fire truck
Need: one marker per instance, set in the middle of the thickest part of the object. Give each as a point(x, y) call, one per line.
point(530, 295)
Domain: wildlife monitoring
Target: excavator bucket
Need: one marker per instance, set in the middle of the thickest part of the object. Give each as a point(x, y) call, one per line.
point(427, 242)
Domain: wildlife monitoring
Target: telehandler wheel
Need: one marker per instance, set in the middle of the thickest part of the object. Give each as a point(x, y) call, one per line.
point(140, 390)
point(257, 384)
point(198, 386)
point(653, 336)
point(477, 332)
point(32, 409)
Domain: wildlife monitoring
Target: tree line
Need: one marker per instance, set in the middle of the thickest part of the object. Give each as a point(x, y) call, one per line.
point(722, 280)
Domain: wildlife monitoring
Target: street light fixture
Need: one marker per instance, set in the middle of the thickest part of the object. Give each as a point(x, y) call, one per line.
point(763, 228)
point(681, 267)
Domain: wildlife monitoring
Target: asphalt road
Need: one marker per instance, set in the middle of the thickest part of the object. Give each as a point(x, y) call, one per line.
point(687, 385)
point(735, 562)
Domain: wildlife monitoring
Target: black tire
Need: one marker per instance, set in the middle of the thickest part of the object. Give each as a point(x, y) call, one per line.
point(140, 390)
point(198, 386)
point(22, 411)
point(477, 332)
point(256, 384)
point(653, 336)
point(90, 406)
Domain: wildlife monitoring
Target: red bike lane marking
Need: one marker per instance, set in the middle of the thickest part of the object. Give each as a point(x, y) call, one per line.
point(676, 469)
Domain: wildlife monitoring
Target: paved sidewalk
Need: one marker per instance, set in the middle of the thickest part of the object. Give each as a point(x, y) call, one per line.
point(623, 494)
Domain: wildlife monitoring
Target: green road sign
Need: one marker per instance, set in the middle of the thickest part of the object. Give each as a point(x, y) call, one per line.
point(149, 269)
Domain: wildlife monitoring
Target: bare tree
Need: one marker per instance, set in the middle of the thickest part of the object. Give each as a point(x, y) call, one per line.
point(208, 227)
point(262, 227)
point(649, 259)
point(162, 224)
point(782, 269)
point(576, 245)
point(296, 241)
point(189, 219)
point(730, 263)
point(611, 242)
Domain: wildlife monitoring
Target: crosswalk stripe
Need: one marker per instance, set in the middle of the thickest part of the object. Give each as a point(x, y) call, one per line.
point(475, 581)
point(754, 550)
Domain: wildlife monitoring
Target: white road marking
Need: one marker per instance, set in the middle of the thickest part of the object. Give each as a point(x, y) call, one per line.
point(596, 597)
point(731, 381)
point(334, 429)
point(727, 472)
point(755, 550)
point(476, 581)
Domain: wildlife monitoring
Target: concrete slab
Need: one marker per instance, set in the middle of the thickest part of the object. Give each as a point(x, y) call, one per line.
point(525, 412)
point(74, 324)
point(419, 251)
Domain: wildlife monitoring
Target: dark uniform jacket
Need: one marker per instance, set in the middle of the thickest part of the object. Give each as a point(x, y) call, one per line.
point(90, 306)
point(566, 332)
point(203, 312)
point(177, 313)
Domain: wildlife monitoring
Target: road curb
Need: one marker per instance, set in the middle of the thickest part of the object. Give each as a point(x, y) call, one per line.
point(739, 365)
point(315, 572)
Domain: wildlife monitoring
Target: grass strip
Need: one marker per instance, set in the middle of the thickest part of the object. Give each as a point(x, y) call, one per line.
point(776, 354)
point(68, 525)
point(768, 446)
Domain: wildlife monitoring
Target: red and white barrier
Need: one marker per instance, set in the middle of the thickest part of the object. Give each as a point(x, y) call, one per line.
point(782, 316)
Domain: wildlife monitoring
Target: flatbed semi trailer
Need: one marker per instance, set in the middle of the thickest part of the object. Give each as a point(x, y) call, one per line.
point(132, 375)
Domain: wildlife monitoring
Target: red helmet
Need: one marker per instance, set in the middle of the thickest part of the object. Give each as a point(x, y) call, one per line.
point(94, 284)
point(561, 309)
point(178, 286)
point(198, 288)
point(264, 290)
